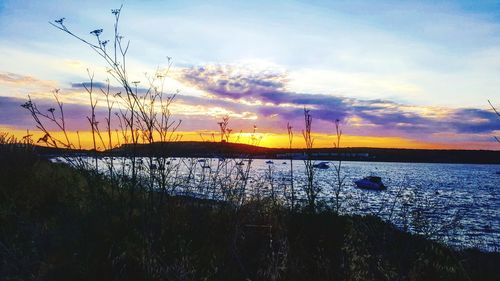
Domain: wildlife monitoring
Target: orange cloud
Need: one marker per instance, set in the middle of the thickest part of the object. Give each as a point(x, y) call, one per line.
point(18, 80)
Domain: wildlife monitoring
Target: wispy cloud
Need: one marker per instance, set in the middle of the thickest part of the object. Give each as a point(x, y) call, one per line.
point(19, 80)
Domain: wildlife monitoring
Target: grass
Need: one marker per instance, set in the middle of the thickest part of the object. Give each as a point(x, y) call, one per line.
point(60, 223)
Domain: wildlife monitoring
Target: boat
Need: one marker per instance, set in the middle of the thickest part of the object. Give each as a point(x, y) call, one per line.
point(370, 182)
point(321, 165)
point(269, 162)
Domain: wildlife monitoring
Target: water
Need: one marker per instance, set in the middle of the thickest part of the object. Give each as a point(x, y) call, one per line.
point(458, 204)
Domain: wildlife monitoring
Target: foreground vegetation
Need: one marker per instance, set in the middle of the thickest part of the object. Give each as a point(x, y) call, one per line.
point(67, 223)
point(60, 223)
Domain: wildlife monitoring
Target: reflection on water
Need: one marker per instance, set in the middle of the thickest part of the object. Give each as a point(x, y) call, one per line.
point(458, 203)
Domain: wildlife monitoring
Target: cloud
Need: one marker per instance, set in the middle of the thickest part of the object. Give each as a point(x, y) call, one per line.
point(75, 115)
point(262, 97)
point(266, 89)
point(82, 85)
point(19, 80)
point(470, 120)
point(12, 114)
point(267, 92)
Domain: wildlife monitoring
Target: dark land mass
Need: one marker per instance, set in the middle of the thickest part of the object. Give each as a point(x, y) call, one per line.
point(235, 150)
point(62, 223)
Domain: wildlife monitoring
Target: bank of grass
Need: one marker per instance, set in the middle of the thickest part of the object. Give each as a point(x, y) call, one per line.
point(59, 223)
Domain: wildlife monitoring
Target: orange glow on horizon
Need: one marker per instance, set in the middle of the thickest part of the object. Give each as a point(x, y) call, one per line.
point(272, 140)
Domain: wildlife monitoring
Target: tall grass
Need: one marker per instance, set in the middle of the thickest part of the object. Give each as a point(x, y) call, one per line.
point(59, 223)
point(143, 190)
point(498, 114)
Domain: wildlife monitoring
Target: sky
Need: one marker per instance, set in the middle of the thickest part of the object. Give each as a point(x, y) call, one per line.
point(411, 74)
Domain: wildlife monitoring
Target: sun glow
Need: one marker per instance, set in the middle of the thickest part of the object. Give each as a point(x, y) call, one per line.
point(84, 140)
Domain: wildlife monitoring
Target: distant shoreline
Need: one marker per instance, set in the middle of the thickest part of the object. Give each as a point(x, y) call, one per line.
point(235, 150)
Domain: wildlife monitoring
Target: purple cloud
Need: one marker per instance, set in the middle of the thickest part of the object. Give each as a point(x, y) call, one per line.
point(75, 115)
point(269, 88)
point(265, 94)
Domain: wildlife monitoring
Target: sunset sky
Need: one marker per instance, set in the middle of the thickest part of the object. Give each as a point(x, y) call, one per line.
point(395, 73)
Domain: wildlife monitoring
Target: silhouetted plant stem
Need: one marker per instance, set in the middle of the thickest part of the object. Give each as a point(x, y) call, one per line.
point(338, 168)
point(290, 142)
point(310, 188)
point(59, 121)
point(498, 113)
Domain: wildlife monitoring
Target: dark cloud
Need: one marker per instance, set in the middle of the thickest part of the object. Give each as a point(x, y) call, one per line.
point(474, 121)
point(82, 85)
point(225, 81)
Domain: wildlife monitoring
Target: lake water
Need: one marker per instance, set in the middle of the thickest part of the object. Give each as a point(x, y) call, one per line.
point(456, 203)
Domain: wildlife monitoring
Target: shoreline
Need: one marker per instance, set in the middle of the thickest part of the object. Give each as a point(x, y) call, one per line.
point(235, 150)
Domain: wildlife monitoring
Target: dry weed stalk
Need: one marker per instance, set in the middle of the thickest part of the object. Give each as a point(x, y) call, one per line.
point(311, 189)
